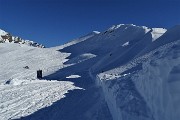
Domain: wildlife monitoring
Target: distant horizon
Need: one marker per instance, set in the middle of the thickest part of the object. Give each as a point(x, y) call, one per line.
point(53, 23)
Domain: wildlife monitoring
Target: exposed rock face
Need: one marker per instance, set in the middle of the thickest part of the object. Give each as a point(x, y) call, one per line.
point(8, 38)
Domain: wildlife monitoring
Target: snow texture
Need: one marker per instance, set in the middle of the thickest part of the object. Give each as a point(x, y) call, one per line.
point(127, 72)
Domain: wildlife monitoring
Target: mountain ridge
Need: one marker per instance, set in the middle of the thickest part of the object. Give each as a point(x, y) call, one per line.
point(6, 37)
point(126, 72)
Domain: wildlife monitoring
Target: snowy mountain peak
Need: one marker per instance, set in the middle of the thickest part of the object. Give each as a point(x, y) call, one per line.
point(2, 32)
point(157, 32)
point(6, 37)
point(128, 26)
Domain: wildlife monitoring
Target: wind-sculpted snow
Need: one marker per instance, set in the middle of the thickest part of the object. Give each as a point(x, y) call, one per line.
point(147, 88)
point(159, 81)
point(127, 72)
point(80, 58)
point(24, 99)
point(106, 41)
point(157, 32)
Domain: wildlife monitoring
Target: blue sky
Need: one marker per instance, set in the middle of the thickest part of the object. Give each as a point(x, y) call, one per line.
point(54, 22)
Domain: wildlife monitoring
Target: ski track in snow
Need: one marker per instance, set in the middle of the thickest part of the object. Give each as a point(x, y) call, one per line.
point(23, 100)
point(21, 94)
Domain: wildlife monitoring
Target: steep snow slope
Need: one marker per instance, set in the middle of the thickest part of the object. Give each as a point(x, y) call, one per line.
point(158, 82)
point(171, 35)
point(157, 32)
point(106, 41)
point(119, 74)
point(122, 51)
point(23, 96)
point(76, 41)
point(8, 38)
point(141, 87)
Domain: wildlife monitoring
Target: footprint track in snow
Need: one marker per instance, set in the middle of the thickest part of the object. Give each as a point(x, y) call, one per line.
point(25, 99)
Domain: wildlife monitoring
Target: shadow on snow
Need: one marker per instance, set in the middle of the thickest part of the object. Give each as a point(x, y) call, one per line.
point(82, 104)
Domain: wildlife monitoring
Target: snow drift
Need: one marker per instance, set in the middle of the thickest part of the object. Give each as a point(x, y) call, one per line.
point(127, 72)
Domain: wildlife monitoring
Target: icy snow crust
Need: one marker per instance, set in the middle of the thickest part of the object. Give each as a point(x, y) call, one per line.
point(127, 72)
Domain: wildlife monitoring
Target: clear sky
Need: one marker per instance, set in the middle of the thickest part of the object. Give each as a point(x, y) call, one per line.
point(54, 22)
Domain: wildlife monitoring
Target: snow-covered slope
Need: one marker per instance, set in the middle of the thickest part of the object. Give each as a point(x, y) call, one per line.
point(77, 40)
point(6, 37)
point(145, 88)
point(127, 72)
point(21, 93)
point(157, 32)
point(121, 54)
point(136, 85)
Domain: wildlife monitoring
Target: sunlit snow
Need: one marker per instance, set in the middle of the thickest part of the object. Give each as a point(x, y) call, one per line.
point(126, 72)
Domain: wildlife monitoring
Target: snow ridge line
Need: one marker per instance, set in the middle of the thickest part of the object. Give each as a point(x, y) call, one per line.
point(113, 108)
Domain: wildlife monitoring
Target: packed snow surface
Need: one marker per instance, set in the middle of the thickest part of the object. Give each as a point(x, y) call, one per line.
point(127, 72)
point(21, 93)
point(19, 100)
